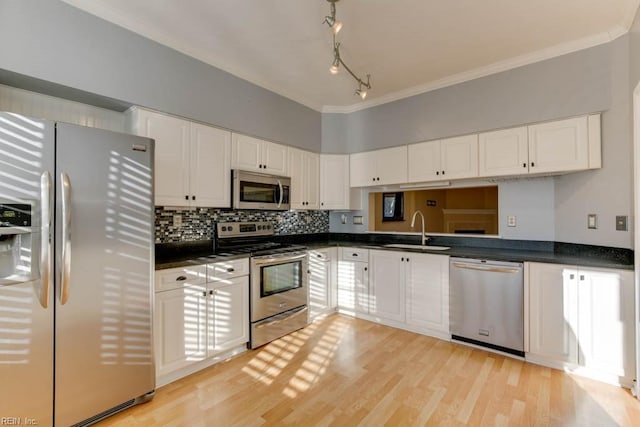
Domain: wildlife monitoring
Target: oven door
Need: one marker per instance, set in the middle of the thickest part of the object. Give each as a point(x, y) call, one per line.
point(258, 191)
point(278, 284)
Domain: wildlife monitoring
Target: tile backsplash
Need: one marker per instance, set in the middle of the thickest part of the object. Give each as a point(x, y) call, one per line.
point(186, 224)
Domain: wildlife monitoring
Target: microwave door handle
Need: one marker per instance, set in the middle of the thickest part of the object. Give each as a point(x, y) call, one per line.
point(281, 193)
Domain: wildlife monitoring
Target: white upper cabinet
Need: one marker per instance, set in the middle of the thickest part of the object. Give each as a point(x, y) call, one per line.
point(192, 161)
point(459, 157)
point(252, 154)
point(305, 175)
point(504, 152)
point(451, 158)
point(335, 191)
point(380, 167)
point(210, 166)
point(559, 146)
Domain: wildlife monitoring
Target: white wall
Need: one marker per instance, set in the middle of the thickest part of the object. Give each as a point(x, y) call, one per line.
point(532, 202)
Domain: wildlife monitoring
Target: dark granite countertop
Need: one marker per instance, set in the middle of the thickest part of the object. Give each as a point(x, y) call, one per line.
point(182, 254)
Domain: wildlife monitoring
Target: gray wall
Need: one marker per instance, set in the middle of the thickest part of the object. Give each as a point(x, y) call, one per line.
point(54, 42)
point(591, 80)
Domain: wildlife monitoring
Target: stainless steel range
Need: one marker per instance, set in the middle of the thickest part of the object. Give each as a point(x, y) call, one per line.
point(278, 293)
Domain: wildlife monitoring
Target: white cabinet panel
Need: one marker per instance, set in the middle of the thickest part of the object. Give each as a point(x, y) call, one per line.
point(305, 173)
point(459, 157)
point(559, 146)
point(353, 280)
point(321, 281)
point(504, 152)
point(210, 167)
point(334, 181)
point(424, 161)
point(257, 155)
point(380, 167)
point(180, 323)
point(553, 312)
point(606, 312)
point(386, 286)
point(228, 314)
point(427, 281)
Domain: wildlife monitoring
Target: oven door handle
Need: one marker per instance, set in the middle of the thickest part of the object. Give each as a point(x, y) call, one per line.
point(281, 317)
point(259, 261)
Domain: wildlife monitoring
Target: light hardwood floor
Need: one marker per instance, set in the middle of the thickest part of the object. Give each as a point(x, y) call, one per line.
point(343, 371)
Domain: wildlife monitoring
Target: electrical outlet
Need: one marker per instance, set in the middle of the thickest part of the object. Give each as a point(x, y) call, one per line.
point(177, 220)
point(592, 221)
point(511, 221)
point(343, 219)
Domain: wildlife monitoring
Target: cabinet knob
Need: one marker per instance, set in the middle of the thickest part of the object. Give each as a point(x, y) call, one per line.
point(442, 172)
point(193, 197)
point(321, 203)
point(204, 294)
point(407, 259)
point(374, 179)
point(524, 165)
point(533, 164)
point(572, 276)
point(437, 172)
point(186, 197)
point(211, 292)
point(365, 269)
point(378, 178)
point(402, 259)
point(582, 277)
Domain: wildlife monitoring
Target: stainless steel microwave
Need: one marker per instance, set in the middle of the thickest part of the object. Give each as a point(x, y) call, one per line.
point(252, 190)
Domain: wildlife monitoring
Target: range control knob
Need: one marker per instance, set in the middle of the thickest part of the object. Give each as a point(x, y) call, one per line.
point(230, 228)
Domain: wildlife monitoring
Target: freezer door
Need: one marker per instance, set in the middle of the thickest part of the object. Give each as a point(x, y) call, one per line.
point(26, 306)
point(104, 258)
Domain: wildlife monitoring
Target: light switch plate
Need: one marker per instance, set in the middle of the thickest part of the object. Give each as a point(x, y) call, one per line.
point(177, 220)
point(357, 220)
point(592, 221)
point(621, 223)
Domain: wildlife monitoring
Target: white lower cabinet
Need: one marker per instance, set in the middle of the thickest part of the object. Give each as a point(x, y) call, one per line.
point(353, 280)
point(583, 319)
point(427, 302)
point(227, 314)
point(180, 324)
point(322, 281)
point(205, 313)
point(387, 284)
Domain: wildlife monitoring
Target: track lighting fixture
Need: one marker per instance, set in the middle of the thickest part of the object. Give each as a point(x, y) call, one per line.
point(335, 26)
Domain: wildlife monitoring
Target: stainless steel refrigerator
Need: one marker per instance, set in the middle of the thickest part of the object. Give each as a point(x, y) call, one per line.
point(76, 264)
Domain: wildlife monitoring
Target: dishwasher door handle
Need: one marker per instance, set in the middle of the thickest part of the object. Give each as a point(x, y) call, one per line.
point(487, 268)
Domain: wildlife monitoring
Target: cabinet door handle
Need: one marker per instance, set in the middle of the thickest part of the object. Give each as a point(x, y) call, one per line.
point(319, 256)
point(230, 270)
point(181, 278)
point(354, 254)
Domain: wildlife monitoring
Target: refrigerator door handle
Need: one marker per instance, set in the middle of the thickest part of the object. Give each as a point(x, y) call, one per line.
point(66, 237)
point(45, 239)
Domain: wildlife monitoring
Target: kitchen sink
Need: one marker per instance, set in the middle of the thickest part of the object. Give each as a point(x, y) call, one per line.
point(421, 247)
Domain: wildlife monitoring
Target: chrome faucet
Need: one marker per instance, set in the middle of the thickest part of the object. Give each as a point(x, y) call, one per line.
point(425, 239)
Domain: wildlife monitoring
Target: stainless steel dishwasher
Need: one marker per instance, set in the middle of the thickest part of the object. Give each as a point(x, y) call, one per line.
point(487, 303)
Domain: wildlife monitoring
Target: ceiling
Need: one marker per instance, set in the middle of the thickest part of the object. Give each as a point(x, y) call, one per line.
point(408, 46)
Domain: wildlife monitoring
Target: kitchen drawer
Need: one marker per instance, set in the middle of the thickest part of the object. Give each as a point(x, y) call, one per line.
point(228, 269)
point(355, 254)
point(320, 254)
point(175, 278)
